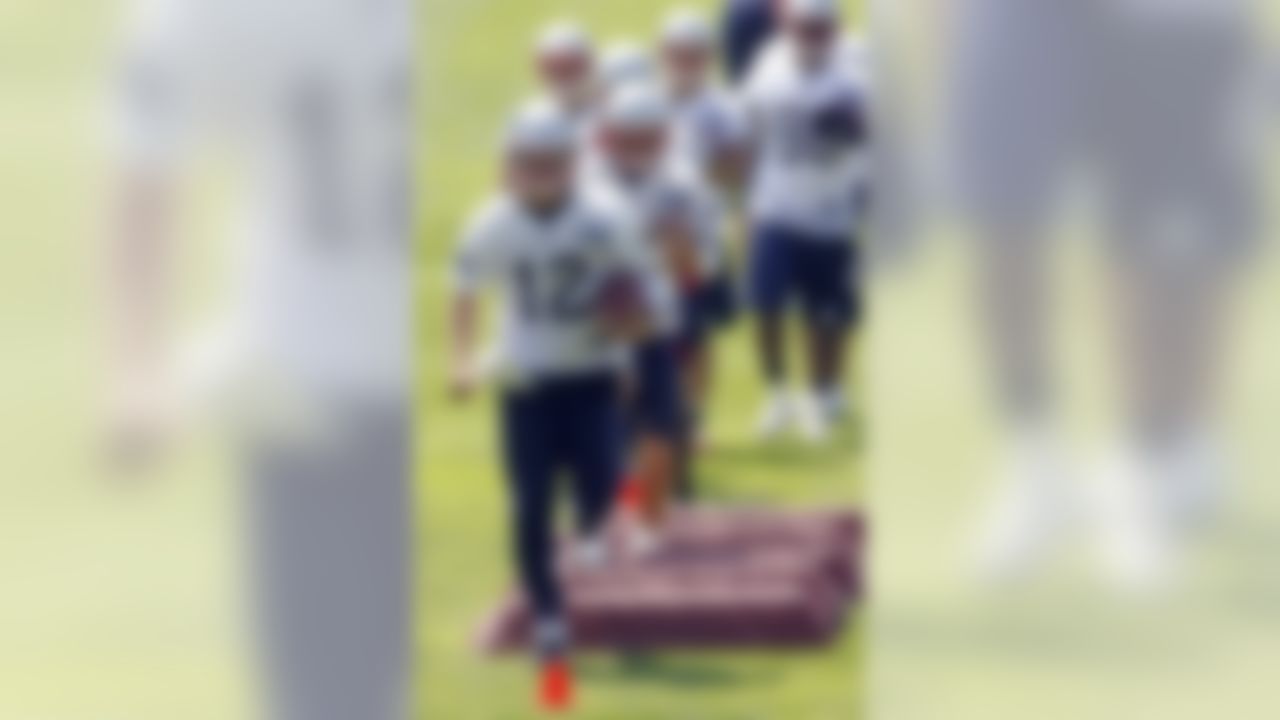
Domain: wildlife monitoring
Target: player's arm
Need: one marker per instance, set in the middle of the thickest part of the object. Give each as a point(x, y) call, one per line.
point(684, 231)
point(151, 124)
point(464, 313)
point(137, 263)
point(677, 235)
point(474, 268)
point(732, 157)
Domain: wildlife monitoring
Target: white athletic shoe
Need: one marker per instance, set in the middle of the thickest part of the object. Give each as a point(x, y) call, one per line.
point(834, 405)
point(812, 419)
point(591, 554)
point(776, 417)
point(1136, 533)
point(1195, 487)
point(550, 636)
point(1031, 511)
point(642, 541)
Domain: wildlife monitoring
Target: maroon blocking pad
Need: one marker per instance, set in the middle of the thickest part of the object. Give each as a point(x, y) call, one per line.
point(723, 579)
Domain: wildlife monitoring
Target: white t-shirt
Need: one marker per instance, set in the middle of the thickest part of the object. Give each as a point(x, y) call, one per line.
point(313, 97)
point(804, 178)
point(673, 194)
point(549, 272)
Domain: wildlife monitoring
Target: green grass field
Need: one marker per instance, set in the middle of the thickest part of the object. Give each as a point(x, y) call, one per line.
point(476, 72)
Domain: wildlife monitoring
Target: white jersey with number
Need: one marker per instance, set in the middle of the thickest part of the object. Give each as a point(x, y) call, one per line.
point(312, 100)
point(549, 271)
point(803, 179)
point(673, 195)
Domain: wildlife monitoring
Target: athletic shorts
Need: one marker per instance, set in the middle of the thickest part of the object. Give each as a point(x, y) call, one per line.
point(657, 406)
point(819, 273)
point(706, 310)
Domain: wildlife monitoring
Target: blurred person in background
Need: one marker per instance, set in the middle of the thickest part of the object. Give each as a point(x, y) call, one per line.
point(1154, 98)
point(624, 62)
point(747, 26)
point(678, 219)
point(566, 64)
point(806, 109)
point(312, 100)
point(570, 270)
point(708, 133)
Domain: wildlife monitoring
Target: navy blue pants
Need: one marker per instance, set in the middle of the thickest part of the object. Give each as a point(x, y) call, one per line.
point(563, 427)
point(658, 405)
point(658, 408)
point(821, 273)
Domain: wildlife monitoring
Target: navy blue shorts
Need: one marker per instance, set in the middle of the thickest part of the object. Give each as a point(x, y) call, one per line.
point(820, 273)
point(719, 300)
point(574, 427)
point(657, 406)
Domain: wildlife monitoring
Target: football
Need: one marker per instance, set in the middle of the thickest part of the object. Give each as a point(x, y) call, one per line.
point(619, 302)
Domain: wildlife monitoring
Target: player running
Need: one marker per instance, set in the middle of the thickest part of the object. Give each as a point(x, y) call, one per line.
point(678, 219)
point(571, 273)
point(709, 133)
point(806, 104)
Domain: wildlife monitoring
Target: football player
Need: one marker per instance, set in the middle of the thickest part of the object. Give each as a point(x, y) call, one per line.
point(678, 221)
point(570, 272)
point(709, 133)
point(806, 106)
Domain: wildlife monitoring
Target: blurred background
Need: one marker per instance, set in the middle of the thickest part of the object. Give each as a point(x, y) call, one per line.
point(120, 597)
point(1003, 100)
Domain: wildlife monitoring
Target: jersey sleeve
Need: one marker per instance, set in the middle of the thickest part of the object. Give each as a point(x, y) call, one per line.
point(479, 257)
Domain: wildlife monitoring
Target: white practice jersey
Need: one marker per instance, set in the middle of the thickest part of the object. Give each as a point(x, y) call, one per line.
point(706, 124)
point(549, 272)
point(807, 176)
point(312, 98)
point(675, 194)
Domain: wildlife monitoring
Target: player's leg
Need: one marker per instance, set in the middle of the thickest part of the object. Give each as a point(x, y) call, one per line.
point(1182, 215)
point(1020, 89)
point(331, 533)
point(770, 284)
point(832, 308)
point(1033, 496)
point(693, 368)
point(593, 433)
point(693, 351)
point(658, 419)
point(530, 459)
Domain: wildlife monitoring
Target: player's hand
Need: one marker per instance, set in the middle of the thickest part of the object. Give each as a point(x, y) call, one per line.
point(464, 380)
point(138, 429)
point(681, 251)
